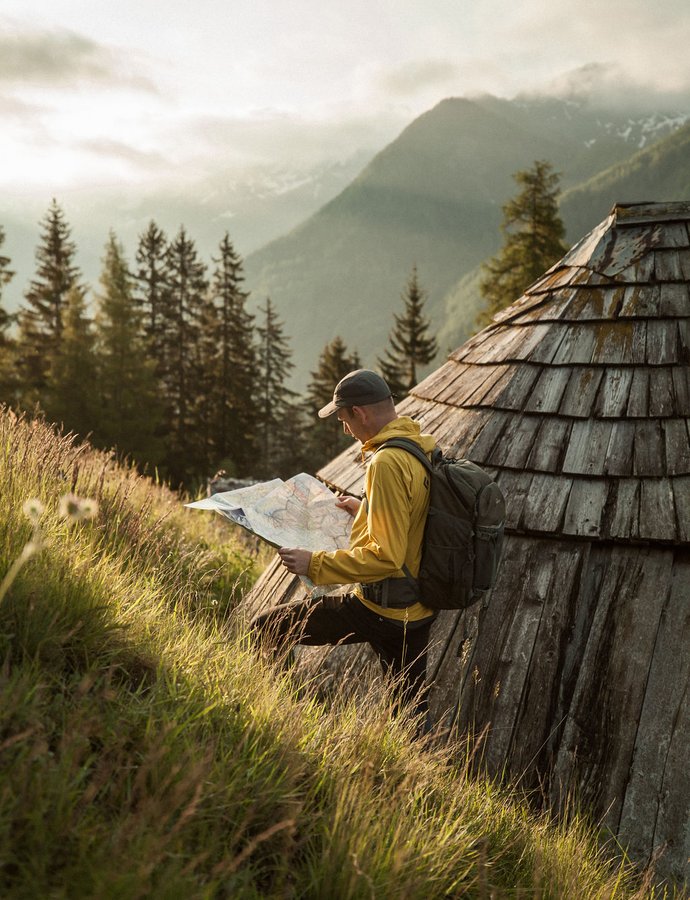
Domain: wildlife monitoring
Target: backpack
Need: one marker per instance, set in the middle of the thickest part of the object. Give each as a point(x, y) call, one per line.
point(463, 535)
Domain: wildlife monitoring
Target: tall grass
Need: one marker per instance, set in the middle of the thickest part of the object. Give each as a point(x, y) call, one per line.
point(148, 750)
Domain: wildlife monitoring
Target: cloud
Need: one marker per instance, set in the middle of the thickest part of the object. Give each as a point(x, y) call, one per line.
point(118, 151)
point(606, 85)
point(60, 57)
point(416, 76)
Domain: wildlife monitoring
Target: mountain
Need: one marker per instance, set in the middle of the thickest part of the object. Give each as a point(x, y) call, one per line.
point(254, 207)
point(432, 198)
point(659, 172)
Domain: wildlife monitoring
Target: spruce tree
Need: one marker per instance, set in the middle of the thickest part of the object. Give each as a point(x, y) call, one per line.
point(325, 437)
point(186, 296)
point(8, 379)
point(533, 233)
point(71, 393)
point(279, 444)
point(130, 402)
point(410, 343)
point(41, 322)
point(236, 410)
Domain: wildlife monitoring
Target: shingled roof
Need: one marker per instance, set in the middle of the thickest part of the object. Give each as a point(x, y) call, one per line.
point(577, 399)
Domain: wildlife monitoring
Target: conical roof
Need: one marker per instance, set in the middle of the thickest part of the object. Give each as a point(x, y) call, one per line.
point(577, 398)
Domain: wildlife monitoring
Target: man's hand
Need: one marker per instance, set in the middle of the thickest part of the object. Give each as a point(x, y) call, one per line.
point(295, 560)
point(350, 504)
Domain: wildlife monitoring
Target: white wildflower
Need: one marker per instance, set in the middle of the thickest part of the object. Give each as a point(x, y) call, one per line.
point(75, 509)
point(33, 509)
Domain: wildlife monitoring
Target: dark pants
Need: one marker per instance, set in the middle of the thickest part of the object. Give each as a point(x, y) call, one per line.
point(401, 647)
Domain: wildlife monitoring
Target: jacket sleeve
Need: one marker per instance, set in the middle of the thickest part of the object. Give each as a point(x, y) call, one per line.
point(379, 532)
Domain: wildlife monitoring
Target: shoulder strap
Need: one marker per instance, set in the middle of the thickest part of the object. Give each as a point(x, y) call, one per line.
point(410, 446)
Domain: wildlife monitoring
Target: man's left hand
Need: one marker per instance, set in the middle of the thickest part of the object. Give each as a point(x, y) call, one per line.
point(295, 560)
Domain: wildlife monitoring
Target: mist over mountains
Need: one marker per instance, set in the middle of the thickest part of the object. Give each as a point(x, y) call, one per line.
point(432, 198)
point(332, 243)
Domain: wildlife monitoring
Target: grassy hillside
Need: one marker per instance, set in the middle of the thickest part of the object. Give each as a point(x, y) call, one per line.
point(148, 751)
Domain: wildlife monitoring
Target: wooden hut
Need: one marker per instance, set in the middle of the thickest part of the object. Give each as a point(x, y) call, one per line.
point(577, 399)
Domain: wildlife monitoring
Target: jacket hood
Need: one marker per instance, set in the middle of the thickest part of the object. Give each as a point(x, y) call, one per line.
point(404, 427)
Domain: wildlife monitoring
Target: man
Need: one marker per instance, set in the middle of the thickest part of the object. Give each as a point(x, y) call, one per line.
point(384, 609)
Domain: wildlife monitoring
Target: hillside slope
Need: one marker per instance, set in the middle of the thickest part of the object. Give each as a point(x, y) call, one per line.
point(432, 198)
point(147, 751)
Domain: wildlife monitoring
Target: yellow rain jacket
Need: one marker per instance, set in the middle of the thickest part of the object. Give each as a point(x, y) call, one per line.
point(387, 531)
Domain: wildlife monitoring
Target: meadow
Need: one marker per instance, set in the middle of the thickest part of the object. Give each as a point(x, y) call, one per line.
point(147, 749)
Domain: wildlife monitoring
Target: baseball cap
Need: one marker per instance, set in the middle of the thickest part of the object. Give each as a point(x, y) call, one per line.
point(359, 388)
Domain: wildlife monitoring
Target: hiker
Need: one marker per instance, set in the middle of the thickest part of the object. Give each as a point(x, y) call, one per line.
point(387, 532)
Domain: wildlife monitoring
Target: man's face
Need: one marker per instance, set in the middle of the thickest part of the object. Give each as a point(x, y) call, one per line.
point(352, 423)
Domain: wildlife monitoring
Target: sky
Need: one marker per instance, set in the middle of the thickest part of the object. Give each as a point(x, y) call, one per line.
point(112, 97)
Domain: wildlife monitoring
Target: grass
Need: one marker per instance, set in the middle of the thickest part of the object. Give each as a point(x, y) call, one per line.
point(148, 750)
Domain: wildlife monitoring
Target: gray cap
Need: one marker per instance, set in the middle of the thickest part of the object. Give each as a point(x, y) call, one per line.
point(359, 388)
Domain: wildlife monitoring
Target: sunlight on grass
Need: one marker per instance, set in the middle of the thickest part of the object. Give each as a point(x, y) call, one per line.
point(149, 750)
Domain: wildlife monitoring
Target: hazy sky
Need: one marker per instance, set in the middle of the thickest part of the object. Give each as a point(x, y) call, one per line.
point(134, 92)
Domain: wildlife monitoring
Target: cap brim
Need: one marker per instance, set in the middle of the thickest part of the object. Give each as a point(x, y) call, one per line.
point(327, 410)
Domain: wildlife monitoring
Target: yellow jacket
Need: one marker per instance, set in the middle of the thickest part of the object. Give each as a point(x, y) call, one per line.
point(387, 531)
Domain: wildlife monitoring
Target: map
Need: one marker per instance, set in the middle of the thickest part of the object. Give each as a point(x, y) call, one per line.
point(300, 512)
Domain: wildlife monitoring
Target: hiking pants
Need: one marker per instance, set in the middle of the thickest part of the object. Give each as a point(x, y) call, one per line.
point(400, 646)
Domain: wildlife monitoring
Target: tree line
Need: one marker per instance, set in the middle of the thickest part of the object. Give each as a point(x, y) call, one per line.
point(166, 364)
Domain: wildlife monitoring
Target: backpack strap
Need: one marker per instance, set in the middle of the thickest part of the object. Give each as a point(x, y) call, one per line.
point(414, 450)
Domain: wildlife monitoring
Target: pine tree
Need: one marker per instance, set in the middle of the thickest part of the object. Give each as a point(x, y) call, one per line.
point(533, 232)
point(236, 411)
point(410, 344)
point(8, 379)
point(187, 286)
point(41, 322)
point(71, 393)
point(325, 436)
point(278, 416)
point(130, 403)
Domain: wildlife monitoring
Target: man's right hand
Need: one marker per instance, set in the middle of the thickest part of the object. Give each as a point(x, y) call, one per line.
point(350, 504)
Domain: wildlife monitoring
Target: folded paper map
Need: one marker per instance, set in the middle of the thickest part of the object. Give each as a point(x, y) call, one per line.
point(300, 512)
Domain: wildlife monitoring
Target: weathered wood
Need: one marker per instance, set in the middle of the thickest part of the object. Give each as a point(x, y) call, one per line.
point(581, 392)
point(548, 391)
point(545, 351)
point(640, 301)
point(549, 311)
point(681, 495)
point(613, 393)
point(661, 402)
point(537, 717)
point(673, 235)
point(515, 487)
point(667, 265)
point(576, 345)
point(515, 393)
point(616, 342)
point(640, 272)
point(684, 257)
point(458, 391)
point(656, 807)
point(657, 513)
point(545, 504)
point(674, 299)
point(622, 509)
point(681, 389)
point(677, 446)
point(662, 343)
point(593, 304)
point(448, 669)
point(515, 442)
point(585, 508)
point(438, 380)
point(550, 445)
point(492, 387)
point(651, 213)
point(596, 751)
point(586, 453)
point(483, 443)
point(648, 448)
point(638, 401)
point(619, 453)
point(517, 344)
